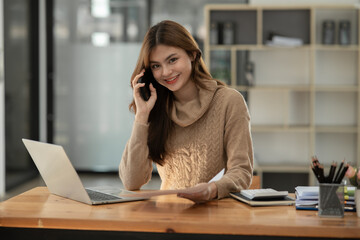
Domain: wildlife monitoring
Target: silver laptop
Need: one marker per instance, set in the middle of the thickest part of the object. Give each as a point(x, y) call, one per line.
point(61, 178)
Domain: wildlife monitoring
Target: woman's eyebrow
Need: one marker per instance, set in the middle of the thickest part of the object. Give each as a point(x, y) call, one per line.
point(167, 58)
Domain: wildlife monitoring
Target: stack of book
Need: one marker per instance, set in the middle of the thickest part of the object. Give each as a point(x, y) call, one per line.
point(307, 198)
point(349, 197)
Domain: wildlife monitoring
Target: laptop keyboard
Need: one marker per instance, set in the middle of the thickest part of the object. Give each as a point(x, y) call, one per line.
point(98, 196)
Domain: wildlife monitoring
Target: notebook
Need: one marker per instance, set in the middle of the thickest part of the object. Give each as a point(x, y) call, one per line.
point(62, 179)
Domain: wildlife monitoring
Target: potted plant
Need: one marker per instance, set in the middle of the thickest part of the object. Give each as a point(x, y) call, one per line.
point(354, 177)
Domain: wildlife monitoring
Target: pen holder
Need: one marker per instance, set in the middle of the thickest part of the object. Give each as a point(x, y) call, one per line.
point(331, 200)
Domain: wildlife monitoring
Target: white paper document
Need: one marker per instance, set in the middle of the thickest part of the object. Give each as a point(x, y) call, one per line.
point(190, 190)
point(218, 176)
point(149, 194)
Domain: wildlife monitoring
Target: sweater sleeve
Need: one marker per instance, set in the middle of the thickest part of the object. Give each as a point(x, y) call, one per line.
point(135, 167)
point(237, 146)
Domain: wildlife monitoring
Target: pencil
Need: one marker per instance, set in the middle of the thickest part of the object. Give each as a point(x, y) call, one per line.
point(321, 173)
point(341, 176)
point(315, 172)
point(315, 160)
point(330, 177)
point(339, 170)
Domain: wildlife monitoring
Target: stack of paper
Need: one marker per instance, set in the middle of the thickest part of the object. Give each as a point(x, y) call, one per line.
point(307, 198)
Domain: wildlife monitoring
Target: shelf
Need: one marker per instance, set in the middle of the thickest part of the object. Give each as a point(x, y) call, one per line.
point(295, 88)
point(303, 100)
point(297, 24)
point(336, 109)
point(292, 67)
point(304, 88)
point(282, 148)
point(299, 88)
point(336, 88)
point(281, 108)
point(336, 47)
point(245, 22)
point(343, 146)
point(257, 47)
point(237, 47)
point(262, 47)
point(336, 129)
point(349, 13)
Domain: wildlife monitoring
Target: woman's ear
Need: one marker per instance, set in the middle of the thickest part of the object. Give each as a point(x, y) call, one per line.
point(193, 56)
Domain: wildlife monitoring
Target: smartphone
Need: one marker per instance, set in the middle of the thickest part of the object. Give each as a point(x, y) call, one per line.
point(147, 78)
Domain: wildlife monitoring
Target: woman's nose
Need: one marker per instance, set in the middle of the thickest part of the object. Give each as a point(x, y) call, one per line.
point(166, 71)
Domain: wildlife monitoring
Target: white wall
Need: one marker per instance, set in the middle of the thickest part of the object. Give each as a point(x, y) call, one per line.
point(92, 94)
point(2, 106)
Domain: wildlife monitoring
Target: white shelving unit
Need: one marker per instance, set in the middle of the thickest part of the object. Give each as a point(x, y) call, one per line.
point(304, 100)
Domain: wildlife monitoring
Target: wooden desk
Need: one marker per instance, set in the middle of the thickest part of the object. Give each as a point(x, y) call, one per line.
point(35, 211)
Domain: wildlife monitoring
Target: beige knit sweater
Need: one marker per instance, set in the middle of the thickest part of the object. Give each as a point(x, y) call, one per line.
point(210, 133)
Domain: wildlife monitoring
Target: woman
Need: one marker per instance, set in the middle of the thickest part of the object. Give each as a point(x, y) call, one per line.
point(192, 126)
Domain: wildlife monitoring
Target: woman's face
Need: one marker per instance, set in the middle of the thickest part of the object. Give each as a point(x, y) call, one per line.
point(171, 67)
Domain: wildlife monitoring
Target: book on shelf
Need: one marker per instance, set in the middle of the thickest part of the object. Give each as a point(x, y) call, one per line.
point(263, 202)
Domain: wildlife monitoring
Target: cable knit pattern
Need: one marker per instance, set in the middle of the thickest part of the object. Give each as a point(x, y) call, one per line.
point(210, 133)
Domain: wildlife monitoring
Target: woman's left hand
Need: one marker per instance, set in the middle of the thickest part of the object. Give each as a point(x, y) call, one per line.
point(200, 193)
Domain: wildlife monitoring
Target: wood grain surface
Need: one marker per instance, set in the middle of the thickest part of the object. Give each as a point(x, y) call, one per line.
point(38, 208)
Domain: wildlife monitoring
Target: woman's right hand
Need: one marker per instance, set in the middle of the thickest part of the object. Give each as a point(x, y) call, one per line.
point(143, 108)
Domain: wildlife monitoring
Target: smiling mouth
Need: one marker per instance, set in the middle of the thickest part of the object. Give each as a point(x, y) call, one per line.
point(172, 80)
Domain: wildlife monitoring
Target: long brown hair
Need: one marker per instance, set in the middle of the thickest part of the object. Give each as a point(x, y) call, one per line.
point(160, 125)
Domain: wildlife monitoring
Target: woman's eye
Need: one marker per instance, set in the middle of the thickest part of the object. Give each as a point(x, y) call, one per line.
point(173, 60)
point(155, 66)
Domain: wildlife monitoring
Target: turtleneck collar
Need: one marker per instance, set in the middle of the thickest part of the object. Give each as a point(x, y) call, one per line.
point(185, 114)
